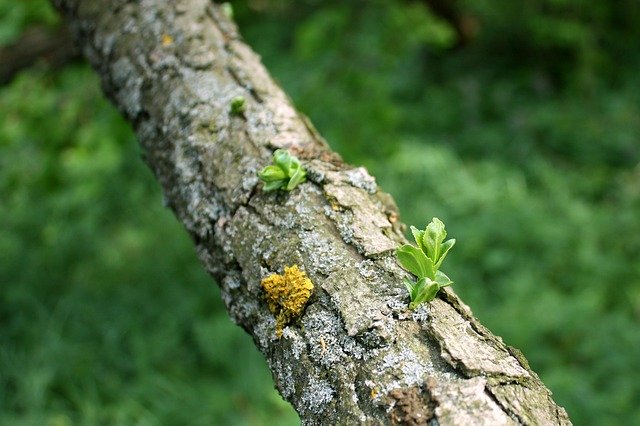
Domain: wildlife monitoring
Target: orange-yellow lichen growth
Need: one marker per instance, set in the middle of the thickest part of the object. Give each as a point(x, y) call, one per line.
point(286, 295)
point(167, 40)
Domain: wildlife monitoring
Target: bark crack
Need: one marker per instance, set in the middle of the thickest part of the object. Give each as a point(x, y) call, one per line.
point(506, 410)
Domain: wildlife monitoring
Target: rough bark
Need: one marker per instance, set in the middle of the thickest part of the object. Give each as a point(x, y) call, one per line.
point(356, 355)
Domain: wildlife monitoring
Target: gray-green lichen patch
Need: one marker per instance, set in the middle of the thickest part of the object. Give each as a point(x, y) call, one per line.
point(421, 313)
point(399, 306)
point(342, 220)
point(284, 374)
point(322, 255)
point(360, 178)
point(465, 402)
point(263, 333)
point(324, 333)
point(288, 212)
point(296, 340)
point(462, 346)
point(317, 394)
point(368, 270)
point(401, 366)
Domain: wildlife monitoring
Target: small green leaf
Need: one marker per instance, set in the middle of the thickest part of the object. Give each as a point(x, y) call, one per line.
point(409, 285)
point(434, 234)
point(227, 9)
point(418, 235)
point(418, 288)
point(282, 159)
point(295, 164)
point(424, 261)
point(444, 249)
point(286, 172)
point(425, 290)
point(238, 105)
point(272, 186)
point(414, 260)
point(299, 176)
point(442, 279)
point(271, 174)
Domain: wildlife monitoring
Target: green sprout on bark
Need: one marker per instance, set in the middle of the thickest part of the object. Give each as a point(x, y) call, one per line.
point(238, 105)
point(424, 262)
point(227, 9)
point(285, 173)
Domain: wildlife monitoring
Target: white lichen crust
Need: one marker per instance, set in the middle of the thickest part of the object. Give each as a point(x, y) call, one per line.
point(355, 355)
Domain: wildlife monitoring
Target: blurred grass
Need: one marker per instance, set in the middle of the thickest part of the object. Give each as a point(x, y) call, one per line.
point(526, 143)
point(107, 317)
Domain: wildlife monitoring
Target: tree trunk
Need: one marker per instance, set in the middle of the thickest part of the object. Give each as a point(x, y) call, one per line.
point(356, 355)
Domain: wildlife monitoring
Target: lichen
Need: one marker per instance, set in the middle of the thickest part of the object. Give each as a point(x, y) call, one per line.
point(167, 40)
point(316, 395)
point(287, 295)
point(360, 178)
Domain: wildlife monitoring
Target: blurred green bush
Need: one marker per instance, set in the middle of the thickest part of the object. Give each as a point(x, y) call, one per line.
point(524, 140)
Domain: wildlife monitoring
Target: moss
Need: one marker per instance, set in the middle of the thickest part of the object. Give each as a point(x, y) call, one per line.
point(286, 295)
point(238, 105)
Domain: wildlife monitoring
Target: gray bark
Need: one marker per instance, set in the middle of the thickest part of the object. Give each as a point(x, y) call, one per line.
point(356, 355)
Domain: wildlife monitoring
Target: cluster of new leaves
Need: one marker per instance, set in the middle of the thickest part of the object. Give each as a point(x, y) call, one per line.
point(238, 105)
point(424, 262)
point(285, 172)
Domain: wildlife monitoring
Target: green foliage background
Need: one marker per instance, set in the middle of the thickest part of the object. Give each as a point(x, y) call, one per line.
point(524, 142)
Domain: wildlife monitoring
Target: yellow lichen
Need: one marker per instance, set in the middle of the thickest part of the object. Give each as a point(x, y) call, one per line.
point(287, 295)
point(167, 40)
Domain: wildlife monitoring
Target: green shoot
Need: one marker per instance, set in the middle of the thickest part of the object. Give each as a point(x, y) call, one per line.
point(424, 262)
point(285, 173)
point(227, 9)
point(238, 105)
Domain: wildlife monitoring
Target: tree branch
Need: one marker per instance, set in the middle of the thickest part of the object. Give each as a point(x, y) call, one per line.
point(55, 47)
point(356, 355)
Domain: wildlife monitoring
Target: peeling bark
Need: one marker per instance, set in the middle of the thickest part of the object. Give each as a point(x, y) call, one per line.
point(356, 355)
